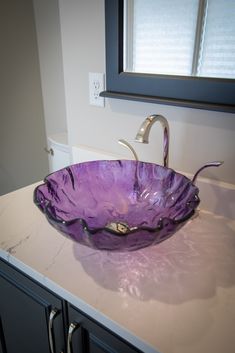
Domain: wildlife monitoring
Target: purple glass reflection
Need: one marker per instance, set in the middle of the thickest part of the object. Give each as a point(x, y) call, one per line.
point(117, 205)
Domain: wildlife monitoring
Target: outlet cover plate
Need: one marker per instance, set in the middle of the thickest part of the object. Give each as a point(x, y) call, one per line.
point(96, 85)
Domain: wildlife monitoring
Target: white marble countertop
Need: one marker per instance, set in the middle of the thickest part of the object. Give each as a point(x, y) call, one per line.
point(175, 297)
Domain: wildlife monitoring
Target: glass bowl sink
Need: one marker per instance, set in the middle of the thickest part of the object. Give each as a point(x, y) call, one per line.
point(117, 204)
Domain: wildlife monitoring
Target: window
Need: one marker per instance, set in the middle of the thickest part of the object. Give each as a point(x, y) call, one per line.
point(217, 55)
point(188, 38)
point(160, 35)
point(203, 48)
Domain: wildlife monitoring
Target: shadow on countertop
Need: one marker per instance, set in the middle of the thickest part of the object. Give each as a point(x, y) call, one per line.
point(190, 265)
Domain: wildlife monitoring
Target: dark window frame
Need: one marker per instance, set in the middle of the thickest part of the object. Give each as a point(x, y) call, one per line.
point(194, 92)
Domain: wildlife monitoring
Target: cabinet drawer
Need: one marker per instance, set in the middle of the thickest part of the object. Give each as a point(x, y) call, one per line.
point(88, 336)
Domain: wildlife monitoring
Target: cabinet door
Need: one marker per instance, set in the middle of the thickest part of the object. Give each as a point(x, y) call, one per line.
point(31, 318)
point(87, 336)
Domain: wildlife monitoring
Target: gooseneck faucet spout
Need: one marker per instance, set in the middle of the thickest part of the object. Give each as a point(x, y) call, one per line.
point(144, 130)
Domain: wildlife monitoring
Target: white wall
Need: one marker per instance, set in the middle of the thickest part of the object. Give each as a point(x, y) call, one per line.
point(22, 129)
point(51, 66)
point(197, 136)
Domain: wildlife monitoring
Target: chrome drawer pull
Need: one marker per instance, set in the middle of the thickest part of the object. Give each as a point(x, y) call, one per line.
point(54, 312)
point(72, 327)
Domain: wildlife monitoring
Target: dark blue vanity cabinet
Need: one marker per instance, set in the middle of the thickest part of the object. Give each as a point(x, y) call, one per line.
point(35, 320)
point(32, 318)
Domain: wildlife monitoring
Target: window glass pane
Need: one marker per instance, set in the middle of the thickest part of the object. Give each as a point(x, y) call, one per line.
point(217, 57)
point(163, 34)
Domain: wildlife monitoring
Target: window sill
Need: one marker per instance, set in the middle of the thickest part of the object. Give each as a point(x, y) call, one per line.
point(169, 101)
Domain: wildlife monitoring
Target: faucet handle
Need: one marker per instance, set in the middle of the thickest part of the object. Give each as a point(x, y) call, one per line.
point(129, 147)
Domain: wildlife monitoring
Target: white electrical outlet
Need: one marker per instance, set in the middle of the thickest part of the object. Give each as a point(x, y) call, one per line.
point(96, 85)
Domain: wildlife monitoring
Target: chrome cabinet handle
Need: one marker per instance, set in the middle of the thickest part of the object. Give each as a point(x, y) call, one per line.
point(50, 151)
point(72, 327)
point(54, 312)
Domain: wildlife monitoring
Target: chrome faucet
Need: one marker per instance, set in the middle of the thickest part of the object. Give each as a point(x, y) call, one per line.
point(143, 133)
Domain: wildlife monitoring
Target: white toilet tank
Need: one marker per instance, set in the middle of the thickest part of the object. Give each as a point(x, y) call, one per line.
point(58, 151)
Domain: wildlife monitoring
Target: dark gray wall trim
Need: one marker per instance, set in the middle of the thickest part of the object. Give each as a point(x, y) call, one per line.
point(202, 93)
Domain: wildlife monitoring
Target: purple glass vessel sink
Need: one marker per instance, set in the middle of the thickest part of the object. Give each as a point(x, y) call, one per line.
point(117, 205)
